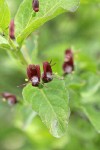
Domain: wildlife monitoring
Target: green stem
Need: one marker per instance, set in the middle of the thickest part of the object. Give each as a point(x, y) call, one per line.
point(16, 53)
point(12, 44)
point(21, 57)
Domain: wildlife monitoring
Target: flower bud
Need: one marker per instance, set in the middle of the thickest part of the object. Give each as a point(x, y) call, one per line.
point(34, 74)
point(12, 30)
point(10, 98)
point(68, 65)
point(35, 5)
point(47, 74)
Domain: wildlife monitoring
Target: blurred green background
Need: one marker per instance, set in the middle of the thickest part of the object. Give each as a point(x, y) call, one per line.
point(80, 31)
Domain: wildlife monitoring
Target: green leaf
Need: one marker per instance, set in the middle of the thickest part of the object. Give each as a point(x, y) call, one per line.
point(80, 127)
point(86, 62)
point(27, 21)
point(90, 93)
point(51, 104)
point(90, 2)
point(4, 43)
point(4, 16)
point(93, 114)
point(74, 82)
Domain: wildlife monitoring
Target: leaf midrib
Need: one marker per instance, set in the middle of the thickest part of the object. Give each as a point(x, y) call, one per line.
point(45, 15)
point(47, 100)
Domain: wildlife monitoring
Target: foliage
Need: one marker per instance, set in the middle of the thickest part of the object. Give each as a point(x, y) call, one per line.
point(62, 114)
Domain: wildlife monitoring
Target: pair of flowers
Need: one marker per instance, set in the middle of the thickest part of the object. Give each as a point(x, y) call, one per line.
point(34, 73)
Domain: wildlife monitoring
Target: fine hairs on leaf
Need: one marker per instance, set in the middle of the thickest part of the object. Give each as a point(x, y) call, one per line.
point(26, 22)
point(51, 104)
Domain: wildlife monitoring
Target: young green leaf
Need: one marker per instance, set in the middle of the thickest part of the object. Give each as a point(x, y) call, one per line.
point(90, 92)
point(27, 21)
point(51, 104)
point(4, 16)
point(4, 43)
point(93, 114)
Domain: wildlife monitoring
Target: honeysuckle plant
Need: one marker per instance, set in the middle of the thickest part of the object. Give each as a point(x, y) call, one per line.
point(54, 95)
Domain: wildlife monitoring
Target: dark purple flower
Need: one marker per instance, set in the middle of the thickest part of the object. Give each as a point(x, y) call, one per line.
point(47, 75)
point(35, 5)
point(68, 65)
point(34, 74)
point(12, 30)
point(10, 98)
